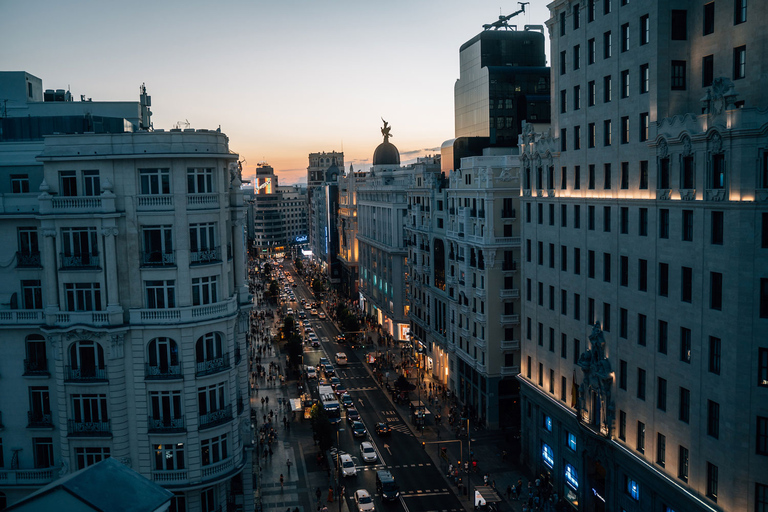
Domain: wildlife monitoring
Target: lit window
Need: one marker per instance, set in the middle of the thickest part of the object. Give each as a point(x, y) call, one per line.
point(571, 477)
point(547, 455)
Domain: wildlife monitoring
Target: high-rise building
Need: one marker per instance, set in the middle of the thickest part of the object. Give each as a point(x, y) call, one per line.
point(349, 255)
point(125, 313)
point(645, 362)
point(324, 168)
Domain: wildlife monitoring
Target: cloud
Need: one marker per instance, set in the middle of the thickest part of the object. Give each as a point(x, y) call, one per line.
point(419, 151)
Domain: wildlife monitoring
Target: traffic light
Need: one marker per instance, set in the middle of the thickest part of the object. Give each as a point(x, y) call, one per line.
point(423, 445)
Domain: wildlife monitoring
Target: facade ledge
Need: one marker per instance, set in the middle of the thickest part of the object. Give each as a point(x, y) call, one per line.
point(507, 371)
point(185, 314)
point(509, 319)
point(21, 317)
point(510, 344)
point(510, 293)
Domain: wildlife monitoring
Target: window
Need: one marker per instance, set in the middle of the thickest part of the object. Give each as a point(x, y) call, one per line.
point(209, 348)
point(607, 132)
point(623, 320)
point(641, 437)
point(89, 408)
point(664, 279)
point(625, 130)
point(685, 345)
point(641, 383)
point(663, 336)
point(576, 343)
point(664, 173)
point(591, 51)
point(591, 264)
point(591, 137)
point(576, 57)
point(712, 477)
point(685, 405)
point(528, 293)
point(622, 425)
point(158, 245)
point(213, 450)
point(211, 399)
point(714, 355)
point(36, 362)
point(528, 251)
point(83, 296)
point(623, 375)
point(761, 444)
point(563, 183)
point(678, 75)
point(624, 175)
point(204, 290)
point(563, 102)
point(624, 220)
point(661, 449)
point(19, 183)
point(154, 181)
point(577, 215)
point(169, 457)
point(607, 89)
point(68, 183)
point(645, 30)
point(31, 294)
point(607, 45)
point(679, 25)
point(570, 441)
point(541, 252)
point(607, 212)
point(625, 37)
point(208, 500)
point(79, 247)
point(687, 227)
point(42, 452)
point(739, 62)
point(633, 488)
point(686, 284)
point(682, 464)
point(562, 62)
point(623, 271)
point(91, 183)
point(90, 455)
point(661, 394)
point(707, 70)
point(39, 406)
point(607, 267)
point(199, 181)
point(563, 305)
point(571, 477)
point(547, 455)
point(576, 97)
point(642, 228)
point(687, 180)
point(718, 171)
point(160, 294)
point(643, 174)
point(739, 11)
point(591, 186)
point(663, 223)
point(716, 290)
point(591, 10)
point(642, 275)
point(563, 138)
point(166, 410)
point(718, 228)
point(576, 20)
point(540, 207)
point(713, 419)
point(591, 93)
point(709, 18)
point(576, 261)
point(562, 23)
point(607, 6)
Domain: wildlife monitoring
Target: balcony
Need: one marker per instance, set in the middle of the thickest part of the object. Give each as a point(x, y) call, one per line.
point(509, 266)
point(510, 344)
point(32, 477)
point(163, 372)
point(36, 368)
point(173, 476)
point(509, 371)
point(84, 317)
point(158, 259)
point(90, 374)
point(89, 428)
point(28, 260)
point(78, 261)
point(185, 314)
point(165, 425)
point(37, 419)
point(509, 319)
point(509, 214)
point(509, 293)
point(21, 316)
point(214, 365)
point(205, 256)
point(481, 317)
point(153, 202)
point(214, 418)
point(86, 204)
point(218, 468)
point(202, 201)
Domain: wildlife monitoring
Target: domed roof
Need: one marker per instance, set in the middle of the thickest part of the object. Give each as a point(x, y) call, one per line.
point(386, 154)
point(332, 173)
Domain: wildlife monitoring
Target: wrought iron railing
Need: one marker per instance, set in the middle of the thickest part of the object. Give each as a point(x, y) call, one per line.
point(214, 418)
point(36, 367)
point(36, 419)
point(213, 365)
point(28, 259)
point(158, 259)
point(89, 428)
point(170, 371)
point(165, 424)
point(85, 374)
point(70, 261)
point(205, 256)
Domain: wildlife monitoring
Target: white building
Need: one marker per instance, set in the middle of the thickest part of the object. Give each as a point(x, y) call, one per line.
point(126, 310)
point(643, 211)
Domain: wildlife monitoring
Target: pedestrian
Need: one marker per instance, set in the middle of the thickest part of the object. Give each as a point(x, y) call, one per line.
point(288, 463)
point(330, 494)
point(318, 493)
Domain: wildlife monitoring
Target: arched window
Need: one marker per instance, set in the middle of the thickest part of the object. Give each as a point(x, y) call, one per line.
point(211, 357)
point(163, 358)
point(86, 360)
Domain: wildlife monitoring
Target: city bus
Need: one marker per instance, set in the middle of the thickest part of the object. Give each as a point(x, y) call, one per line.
point(330, 404)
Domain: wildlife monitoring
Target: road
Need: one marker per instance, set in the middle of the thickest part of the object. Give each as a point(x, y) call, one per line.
point(421, 484)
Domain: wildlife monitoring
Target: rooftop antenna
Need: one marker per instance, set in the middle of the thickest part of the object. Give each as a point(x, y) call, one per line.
point(502, 21)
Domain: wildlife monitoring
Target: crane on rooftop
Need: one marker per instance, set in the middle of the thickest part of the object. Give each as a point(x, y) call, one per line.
point(502, 21)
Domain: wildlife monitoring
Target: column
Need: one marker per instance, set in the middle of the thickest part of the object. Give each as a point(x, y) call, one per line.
point(238, 257)
point(110, 268)
point(49, 266)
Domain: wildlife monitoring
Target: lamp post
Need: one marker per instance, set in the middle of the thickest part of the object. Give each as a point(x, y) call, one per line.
point(338, 468)
point(469, 466)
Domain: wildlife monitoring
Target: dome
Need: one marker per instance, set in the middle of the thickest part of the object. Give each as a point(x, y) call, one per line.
point(386, 154)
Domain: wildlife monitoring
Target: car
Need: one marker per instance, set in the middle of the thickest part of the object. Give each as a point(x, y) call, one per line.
point(341, 359)
point(367, 452)
point(289, 311)
point(383, 429)
point(340, 338)
point(313, 312)
point(329, 371)
point(347, 465)
point(311, 372)
point(340, 390)
point(294, 285)
point(307, 329)
point(358, 429)
point(335, 382)
point(386, 486)
point(363, 501)
point(353, 415)
point(347, 401)
point(321, 315)
point(323, 361)
point(302, 315)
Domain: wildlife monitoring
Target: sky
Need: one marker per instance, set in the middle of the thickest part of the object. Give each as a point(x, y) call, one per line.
point(283, 78)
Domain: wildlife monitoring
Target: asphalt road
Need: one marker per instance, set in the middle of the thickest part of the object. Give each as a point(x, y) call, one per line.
point(421, 484)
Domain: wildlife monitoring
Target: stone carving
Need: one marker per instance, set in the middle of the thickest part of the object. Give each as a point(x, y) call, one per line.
point(82, 334)
point(527, 192)
point(385, 130)
point(716, 143)
point(49, 232)
point(662, 194)
point(64, 468)
point(106, 188)
point(720, 97)
point(662, 150)
point(539, 193)
point(597, 380)
point(116, 346)
point(716, 194)
point(687, 151)
point(506, 174)
point(55, 341)
point(688, 194)
point(125, 461)
point(491, 257)
point(109, 231)
point(528, 133)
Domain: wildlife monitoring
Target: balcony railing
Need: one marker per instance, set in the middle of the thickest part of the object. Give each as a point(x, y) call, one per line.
point(214, 365)
point(78, 261)
point(80, 203)
point(170, 425)
point(202, 201)
point(21, 316)
point(155, 202)
point(39, 420)
point(509, 319)
point(160, 372)
point(218, 468)
point(509, 293)
point(508, 214)
point(510, 344)
point(183, 315)
point(172, 476)
point(28, 259)
point(510, 370)
point(158, 259)
point(216, 417)
point(89, 374)
point(205, 256)
point(37, 477)
point(36, 367)
point(89, 428)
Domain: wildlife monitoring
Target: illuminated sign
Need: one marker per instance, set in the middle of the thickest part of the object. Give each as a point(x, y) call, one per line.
point(301, 239)
point(597, 495)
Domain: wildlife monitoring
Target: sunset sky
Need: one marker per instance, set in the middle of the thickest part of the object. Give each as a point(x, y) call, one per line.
point(283, 78)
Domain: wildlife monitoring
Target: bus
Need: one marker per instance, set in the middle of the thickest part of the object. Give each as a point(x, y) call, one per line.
point(330, 404)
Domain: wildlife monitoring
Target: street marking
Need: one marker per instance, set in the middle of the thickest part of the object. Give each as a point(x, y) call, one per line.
point(386, 447)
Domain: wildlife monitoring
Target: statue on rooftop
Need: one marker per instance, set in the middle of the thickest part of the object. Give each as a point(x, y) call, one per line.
point(385, 130)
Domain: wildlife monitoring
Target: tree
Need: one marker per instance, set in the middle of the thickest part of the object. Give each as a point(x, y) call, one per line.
point(318, 287)
point(267, 268)
point(402, 384)
point(274, 289)
point(299, 265)
point(322, 427)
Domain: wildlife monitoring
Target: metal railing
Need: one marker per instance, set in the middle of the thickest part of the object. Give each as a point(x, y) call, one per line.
point(37, 419)
point(89, 428)
point(89, 374)
point(70, 261)
point(213, 365)
point(205, 256)
point(214, 418)
point(158, 259)
point(165, 424)
point(171, 371)
point(28, 259)
point(36, 367)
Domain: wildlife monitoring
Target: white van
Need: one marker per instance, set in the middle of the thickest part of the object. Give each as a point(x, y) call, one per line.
point(341, 359)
